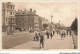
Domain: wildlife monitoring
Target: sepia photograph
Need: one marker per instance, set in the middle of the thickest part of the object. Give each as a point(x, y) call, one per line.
point(40, 25)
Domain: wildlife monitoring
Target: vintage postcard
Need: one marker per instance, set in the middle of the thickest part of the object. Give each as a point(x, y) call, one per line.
point(40, 25)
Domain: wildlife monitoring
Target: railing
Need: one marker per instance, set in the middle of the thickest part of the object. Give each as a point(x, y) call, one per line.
point(12, 23)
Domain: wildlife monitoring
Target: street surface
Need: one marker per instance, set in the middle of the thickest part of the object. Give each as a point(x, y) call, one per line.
point(9, 41)
point(55, 43)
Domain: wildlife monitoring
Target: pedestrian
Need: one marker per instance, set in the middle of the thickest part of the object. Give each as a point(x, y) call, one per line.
point(62, 35)
point(53, 32)
point(29, 30)
point(57, 32)
point(39, 34)
point(41, 41)
point(70, 32)
point(51, 35)
point(47, 33)
point(67, 32)
point(37, 37)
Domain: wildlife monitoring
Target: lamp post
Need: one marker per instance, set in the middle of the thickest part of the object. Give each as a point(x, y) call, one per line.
point(51, 24)
point(51, 18)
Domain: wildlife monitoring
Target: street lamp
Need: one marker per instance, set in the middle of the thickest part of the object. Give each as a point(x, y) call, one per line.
point(51, 18)
point(51, 22)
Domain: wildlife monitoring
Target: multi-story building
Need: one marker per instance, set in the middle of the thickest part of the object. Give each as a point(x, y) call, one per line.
point(21, 19)
point(27, 20)
point(40, 23)
point(8, 16)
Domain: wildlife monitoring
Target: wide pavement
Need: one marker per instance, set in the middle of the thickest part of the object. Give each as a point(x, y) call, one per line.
point(55, 43)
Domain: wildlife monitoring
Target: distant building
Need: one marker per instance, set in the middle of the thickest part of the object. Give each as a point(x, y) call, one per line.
point(28, 20)
point(59, 26)
point(8, 16)
point(40, 23)
point(45, 21)
point(21, 19)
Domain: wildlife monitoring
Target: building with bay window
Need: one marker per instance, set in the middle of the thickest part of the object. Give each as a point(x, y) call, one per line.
point(8, 17)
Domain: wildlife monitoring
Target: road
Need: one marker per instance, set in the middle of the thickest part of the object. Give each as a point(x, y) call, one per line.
point(9, 41)
point(55, 43)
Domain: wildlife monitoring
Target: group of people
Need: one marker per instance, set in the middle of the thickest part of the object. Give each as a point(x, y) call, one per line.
point(64, 33)
point(39, 37)
point(50, 34)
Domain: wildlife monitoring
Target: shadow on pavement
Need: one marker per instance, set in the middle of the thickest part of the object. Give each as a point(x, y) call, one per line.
point(36, 48)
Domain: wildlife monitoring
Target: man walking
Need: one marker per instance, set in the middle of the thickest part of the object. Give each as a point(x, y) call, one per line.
point(51, 35)
point(35, 36)
point(67, 32)
point(53, 32)
point(70, 32)
point(41, 41)
point(47, 33)
point(61, 35)
point(64, 34)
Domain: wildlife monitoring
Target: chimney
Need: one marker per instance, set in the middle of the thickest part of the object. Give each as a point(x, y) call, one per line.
point(30, 9)
point(34, 11)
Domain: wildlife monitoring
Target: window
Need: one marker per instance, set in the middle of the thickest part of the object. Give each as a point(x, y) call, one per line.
point(10, 13)
point(6, 19)
point(14, 20)
point(11, 7)
point(13, 13)
point(9, 20)
point(7, 6)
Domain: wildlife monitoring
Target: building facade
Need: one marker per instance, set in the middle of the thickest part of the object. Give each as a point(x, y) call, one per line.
point(28, 20)
point(40, 23)
point(8, 17)
point(21, 19)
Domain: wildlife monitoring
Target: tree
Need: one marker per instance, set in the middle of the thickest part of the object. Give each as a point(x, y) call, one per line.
point(45, 25)
point(74, 25)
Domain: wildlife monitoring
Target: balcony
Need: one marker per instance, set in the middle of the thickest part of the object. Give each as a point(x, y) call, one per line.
point(12, 16)
point(12, 23)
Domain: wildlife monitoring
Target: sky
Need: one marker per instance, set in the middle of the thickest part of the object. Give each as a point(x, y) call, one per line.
point(65, 12)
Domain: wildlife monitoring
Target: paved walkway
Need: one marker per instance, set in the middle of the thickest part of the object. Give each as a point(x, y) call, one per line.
point(55, 43)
